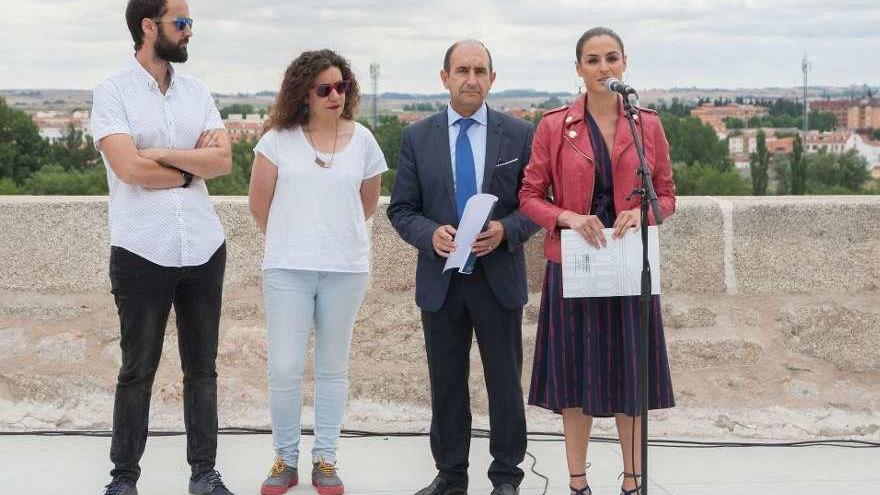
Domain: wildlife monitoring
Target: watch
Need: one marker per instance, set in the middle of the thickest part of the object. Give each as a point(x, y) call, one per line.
point(187, 178)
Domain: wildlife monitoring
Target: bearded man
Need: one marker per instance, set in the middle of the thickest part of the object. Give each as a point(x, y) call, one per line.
point(160, 137)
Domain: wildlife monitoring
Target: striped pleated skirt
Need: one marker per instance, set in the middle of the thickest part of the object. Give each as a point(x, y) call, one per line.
point(587, 353)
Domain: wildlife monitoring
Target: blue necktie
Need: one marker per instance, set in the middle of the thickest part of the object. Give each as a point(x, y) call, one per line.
point(465, 175)
point(465, 178)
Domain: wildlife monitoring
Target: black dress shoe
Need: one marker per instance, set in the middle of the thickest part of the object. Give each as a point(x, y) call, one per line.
point(505, 489)
point(442, 487)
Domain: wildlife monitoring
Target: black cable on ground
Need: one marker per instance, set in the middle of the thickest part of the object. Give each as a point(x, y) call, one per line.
point(532, 468)
point(534, 436)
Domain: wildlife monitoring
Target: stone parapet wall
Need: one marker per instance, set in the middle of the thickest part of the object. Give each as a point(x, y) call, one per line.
point(771, 307)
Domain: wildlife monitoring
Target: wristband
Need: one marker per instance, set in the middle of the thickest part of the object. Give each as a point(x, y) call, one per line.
point(187, 178)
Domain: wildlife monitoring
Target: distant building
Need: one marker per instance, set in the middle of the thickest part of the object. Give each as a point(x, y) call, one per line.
point(411, 117)
point(714, 116)
point(244, 127)
point(55, 124)
point(525, 113)
point(852, 115)
point(836, 142)
point(745, 142)
point(870, 150)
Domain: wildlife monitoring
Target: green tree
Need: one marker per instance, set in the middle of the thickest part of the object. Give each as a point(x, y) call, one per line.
point(836, 174)
point(54, 180)
point(691, 141)
point(239, 108)
point(780, 173)
point(758, 164)
point(74, 151)
point(822, 121)
point(676, 109)
point(419, 107)
point(552, 102)
point(708, 180)
point(236, 182)
point(388, 134)
point(8, 187)
point(22, 150)
point(798, 167)
point(734, 123)
point(872, 188)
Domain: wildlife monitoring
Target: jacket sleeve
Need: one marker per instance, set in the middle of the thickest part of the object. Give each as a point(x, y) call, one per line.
point(517, 227)
point(534, 200)
point(661, 176)
point(405, 208)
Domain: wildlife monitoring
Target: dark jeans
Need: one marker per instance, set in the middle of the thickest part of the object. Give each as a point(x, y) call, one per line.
point(471, 308)
point(145, 293)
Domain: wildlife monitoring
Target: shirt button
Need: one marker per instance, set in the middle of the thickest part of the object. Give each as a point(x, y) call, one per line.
point(568, 119)
point(572, 134)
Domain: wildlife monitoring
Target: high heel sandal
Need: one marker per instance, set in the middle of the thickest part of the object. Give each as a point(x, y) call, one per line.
point(635, 491)
point(581, 491)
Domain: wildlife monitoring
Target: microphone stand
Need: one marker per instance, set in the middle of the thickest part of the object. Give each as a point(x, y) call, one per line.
point(648, 196)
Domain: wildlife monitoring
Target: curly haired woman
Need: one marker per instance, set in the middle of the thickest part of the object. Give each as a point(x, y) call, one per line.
point(315, 181)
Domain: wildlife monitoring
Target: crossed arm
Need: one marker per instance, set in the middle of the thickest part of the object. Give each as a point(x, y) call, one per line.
point(160, 168)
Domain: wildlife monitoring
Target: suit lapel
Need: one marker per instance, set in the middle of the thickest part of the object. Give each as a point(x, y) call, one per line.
point(493, 147)
point(444, 161)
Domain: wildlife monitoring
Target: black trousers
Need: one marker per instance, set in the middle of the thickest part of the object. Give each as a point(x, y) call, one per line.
point(471, 308)
point(145, 293)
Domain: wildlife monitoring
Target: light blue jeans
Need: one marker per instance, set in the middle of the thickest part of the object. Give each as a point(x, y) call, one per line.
point(296, 302)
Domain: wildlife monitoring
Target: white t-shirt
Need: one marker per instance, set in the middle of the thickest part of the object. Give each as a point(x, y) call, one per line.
point(316, 219)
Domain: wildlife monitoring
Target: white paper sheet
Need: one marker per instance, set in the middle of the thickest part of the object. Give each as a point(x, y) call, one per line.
point(476, 212)
point(614, 270)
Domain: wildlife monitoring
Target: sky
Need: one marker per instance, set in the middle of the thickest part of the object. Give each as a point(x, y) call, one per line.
point(245, 45)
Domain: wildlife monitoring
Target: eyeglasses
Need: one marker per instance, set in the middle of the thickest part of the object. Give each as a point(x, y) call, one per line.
point(341, 87)
point(181, 22)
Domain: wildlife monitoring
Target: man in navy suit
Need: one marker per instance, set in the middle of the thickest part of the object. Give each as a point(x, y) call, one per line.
point(444, 160)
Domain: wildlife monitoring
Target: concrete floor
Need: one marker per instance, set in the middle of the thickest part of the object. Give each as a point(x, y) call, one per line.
point(79, 465)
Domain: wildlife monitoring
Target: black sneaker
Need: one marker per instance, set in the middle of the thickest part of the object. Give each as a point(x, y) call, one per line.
point(120, 487)
point(208, 483)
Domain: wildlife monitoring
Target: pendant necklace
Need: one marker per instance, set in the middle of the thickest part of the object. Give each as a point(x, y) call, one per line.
point(318, 160)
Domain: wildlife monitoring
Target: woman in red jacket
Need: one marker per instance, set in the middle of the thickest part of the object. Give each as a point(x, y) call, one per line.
point(582, 170)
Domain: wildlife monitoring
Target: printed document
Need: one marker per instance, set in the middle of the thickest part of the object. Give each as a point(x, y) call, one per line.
point(476, 212)
point(614, 270)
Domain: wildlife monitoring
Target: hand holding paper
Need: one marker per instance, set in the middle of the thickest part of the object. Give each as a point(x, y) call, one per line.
point(476, 212)
point(610, 271)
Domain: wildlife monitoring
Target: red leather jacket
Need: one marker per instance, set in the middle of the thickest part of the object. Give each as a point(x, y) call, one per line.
point(561, 173)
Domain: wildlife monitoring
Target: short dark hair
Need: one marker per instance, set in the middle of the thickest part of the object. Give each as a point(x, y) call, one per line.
point(138, 10)
point(592, 33)
point(452, 48)
point(290, 106)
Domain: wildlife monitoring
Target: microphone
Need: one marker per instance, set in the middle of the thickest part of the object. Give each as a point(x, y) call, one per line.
point(615, 86)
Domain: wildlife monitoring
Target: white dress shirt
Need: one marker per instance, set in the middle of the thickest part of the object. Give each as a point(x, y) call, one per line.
point(477, 136)
point(170, 227)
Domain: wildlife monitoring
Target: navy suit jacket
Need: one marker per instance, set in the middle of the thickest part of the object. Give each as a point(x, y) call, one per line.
point(423, 199)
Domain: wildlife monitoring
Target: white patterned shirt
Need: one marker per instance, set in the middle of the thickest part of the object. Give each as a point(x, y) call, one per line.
point(170, 227)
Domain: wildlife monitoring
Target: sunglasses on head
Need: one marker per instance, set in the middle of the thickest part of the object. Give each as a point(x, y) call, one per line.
point(180, 22)
point(341, 87)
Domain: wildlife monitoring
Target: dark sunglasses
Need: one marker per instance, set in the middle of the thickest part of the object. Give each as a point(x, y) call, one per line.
point(181, 22)
point(341, 87)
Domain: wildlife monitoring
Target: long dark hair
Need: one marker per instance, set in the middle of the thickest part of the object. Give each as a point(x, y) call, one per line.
point(291, 106)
